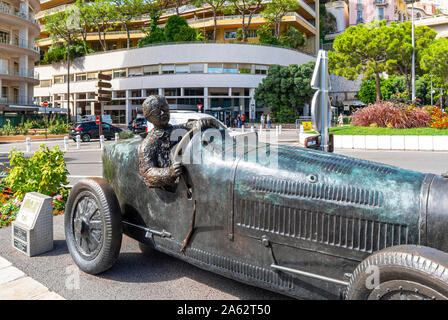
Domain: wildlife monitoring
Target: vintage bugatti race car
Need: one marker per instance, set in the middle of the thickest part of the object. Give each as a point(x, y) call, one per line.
point(301, 222)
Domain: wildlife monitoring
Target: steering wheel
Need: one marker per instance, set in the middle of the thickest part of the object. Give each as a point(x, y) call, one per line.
point(211, 123)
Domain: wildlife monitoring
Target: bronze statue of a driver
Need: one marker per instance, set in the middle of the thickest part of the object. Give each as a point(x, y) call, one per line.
point(155, 164)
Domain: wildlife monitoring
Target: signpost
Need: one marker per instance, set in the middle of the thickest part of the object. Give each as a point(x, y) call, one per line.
point(320, 105)
point(102, 96)
point(32, 231)
point(199, 107)
point(45, 105)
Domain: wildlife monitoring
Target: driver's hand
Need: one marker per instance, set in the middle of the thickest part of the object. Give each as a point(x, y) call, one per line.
point(176, 169)
point(206, 123)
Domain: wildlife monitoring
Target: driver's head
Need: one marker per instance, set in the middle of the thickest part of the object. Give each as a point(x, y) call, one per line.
point(156, 110)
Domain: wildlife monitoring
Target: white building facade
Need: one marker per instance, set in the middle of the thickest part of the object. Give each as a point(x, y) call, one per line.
point(219, 77)
point(18, 29)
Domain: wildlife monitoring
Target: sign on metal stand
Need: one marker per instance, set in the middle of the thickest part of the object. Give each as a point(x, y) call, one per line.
point(320, 105)
point(102, 96)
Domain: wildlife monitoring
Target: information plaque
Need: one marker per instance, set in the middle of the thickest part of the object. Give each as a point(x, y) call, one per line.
point(32, 231)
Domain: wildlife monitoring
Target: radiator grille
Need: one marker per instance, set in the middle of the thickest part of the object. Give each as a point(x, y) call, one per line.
point(333, 230)
point(338, 193)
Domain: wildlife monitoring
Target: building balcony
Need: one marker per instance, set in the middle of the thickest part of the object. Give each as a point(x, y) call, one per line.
point(20, 44)
point(20, 75)
point(24, 101)
point(359, 6)
point(380, 2)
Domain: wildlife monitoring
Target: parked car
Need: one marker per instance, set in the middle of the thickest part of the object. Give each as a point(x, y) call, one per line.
point(137, 125)
point(183, 116)
point(90, 130)
point(317, 225)
point(106, 118)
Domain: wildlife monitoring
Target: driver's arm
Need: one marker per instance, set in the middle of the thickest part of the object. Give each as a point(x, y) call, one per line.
point(153, 176)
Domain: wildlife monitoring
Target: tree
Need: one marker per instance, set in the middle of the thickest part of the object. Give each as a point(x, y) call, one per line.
point(82, 8)
point(128, 10)
point(102, 15)
point(173, 3)
point(177, 29)
point(435, 59)
point(61, 25)
point(154, 34)
point(286, 89)
point(247, 9)
point(275, 10)
point(400, 49)
point(362, 50)
point(216, 7)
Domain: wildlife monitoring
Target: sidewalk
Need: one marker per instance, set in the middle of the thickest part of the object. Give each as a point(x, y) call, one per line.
point(16, 285)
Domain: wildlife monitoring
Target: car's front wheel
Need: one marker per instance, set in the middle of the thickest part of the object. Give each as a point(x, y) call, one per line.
point(93, 228)
point(401, 273)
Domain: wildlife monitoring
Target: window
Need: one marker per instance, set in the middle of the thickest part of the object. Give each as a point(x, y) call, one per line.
point(197, 68)
point(58, 79)
point(4, 92)
point(150, 92)
point(230, 68)
point(81, 77)
point(167, 69)
point(135, 72)
point(244, 68)
point(252, 33)
point(150, 70)
point(359, 16)
point(193, 91)
point(261, 69)
point(214, 68)
point(136, 93)
point(120, 73)
point(172, 92)
point(45, 83)
point(230, 35)
point(182, 68)
point(380, 13)
point(120, 94)
point(92, 76)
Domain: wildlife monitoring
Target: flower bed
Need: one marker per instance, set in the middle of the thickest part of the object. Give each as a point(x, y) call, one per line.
point(45, 172)
point(439, 118)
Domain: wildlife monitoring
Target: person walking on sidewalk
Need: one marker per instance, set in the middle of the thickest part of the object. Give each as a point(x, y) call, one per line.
point(262, 118)
point(268, 121)
point(340, 120)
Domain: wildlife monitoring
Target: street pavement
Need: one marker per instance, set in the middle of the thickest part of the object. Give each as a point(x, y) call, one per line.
point(160, 276)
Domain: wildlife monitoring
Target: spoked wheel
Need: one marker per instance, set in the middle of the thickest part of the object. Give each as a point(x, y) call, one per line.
point(404, 290)
point(93, 225)
point(88, 226)
point(401, 273)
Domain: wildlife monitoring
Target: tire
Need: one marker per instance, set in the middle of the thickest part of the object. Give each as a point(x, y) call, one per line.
point(93, 229)
point(145, 249)
point(404, 273)
point(85, 137)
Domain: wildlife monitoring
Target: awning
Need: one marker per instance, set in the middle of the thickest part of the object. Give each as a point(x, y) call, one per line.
point(17, 108)
point(47, 110)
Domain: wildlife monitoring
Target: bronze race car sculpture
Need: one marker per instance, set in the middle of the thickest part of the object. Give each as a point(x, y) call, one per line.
point(301, 222)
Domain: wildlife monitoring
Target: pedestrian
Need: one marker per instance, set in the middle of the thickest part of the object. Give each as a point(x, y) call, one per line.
point(243, 118)
point(262, 118)
point(268, 121)
point(228, 120)
point(238, 118)
point(340, 120)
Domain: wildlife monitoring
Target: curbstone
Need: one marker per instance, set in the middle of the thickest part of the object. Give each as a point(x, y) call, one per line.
point(384, 142)
point(372, 142)
point(411, 143)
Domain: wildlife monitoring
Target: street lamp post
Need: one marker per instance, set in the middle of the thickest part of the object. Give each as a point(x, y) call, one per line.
point(68, 77)
point(413, 54)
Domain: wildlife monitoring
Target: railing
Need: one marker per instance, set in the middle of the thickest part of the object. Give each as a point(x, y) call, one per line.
point(359, 6)
point(21, 100)
point(21, 44)
point(380, 2)
point(20, 73)
point(4, 8)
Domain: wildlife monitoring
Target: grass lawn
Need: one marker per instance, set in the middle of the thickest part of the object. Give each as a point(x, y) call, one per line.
point(368, 131)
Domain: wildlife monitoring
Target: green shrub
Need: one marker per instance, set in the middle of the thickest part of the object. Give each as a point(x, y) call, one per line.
point(45, 172)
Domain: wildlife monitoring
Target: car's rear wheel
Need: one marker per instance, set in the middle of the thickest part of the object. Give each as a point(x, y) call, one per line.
point(85, 137)
point(93, 228)
point(401, 273)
